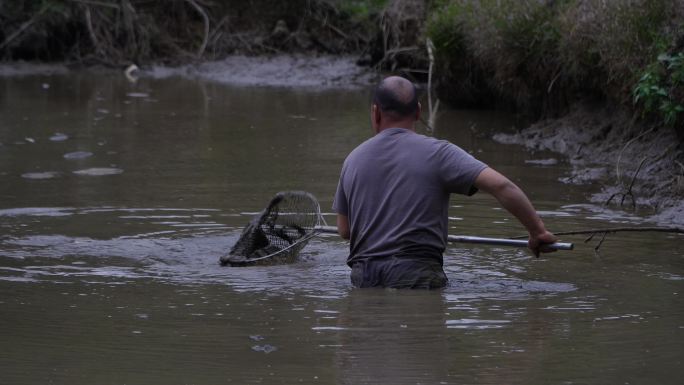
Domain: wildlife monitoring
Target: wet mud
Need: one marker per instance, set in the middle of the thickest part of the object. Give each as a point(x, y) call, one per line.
point(639, 169)
point(274, 71)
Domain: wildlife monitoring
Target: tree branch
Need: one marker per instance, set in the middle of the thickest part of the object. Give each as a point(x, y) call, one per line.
point(24, 26)
point(676, 230)
point(205, 18)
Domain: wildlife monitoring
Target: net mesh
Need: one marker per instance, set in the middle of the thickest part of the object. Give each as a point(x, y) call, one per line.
point(279, 232)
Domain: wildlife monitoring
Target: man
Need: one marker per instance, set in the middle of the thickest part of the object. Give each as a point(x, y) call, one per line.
point(392, 199)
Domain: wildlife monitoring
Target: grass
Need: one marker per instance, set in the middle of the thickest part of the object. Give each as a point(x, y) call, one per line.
point(361, 10)
point(539, 56)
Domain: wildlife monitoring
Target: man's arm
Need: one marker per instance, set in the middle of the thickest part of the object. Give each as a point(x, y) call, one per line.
point(343, 226)
point(513, 199)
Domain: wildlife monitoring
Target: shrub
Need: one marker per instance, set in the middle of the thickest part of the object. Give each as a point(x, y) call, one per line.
point(513, 44)
point(658, 91)
point(541, 55)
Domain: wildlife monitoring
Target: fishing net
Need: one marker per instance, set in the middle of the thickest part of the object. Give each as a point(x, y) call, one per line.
point(279, 232)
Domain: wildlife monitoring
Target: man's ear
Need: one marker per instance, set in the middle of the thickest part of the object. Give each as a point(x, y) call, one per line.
point(376, 116)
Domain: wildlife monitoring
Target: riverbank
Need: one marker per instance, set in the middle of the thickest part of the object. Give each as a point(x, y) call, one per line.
point(320, 71)
point(291, 71)
point(603, 80)
point(634, 167)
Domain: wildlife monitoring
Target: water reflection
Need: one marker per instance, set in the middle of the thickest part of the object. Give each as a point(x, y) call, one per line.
point(395, 336)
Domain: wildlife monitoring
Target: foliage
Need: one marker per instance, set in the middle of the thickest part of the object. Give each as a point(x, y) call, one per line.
point(117, 32)
point(656, 89)
point(510, 45)
point(540, 55)
point(361, 9)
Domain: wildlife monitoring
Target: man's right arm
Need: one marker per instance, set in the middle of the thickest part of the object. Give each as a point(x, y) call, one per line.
point(513, 199)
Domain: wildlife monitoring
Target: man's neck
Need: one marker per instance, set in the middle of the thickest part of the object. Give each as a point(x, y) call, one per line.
point(405, 125)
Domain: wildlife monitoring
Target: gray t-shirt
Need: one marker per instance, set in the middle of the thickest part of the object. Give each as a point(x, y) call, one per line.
point(394, 188)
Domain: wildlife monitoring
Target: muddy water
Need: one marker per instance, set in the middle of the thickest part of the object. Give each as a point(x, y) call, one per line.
point(117, 199)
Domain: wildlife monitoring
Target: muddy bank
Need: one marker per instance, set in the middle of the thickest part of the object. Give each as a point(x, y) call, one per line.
point(319, 71)
point(24, 68)
point(274, 71)
point(634, 167)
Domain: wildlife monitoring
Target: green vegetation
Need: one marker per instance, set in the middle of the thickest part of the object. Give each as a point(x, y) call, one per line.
point(361, 9)
point(117, 32)
point(656, 91)
point(506, 46)
point(540, 56)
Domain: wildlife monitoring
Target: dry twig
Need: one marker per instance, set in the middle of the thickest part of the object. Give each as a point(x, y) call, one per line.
point(609, 230)
point(628, 192)
point(205, 18)
point(91, 31)
point(617, 166)
point(432, 112)
point(675, 230)
point(95, 2)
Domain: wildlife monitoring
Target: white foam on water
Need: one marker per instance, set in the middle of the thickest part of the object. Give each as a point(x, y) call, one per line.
point(469, 323)
point(40, 175)
point(59, 137)
point(99, 171)
point(78, 155)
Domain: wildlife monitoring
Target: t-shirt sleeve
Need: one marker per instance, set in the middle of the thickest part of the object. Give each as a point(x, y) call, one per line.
point(340, 201)
point(459, 169)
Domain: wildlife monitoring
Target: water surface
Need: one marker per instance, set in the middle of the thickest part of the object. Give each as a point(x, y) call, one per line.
point(117, 200)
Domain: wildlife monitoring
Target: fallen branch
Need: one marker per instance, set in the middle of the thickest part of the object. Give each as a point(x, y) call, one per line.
point(617, 166)
point(600, 243)
point(397, 50)
point(95, 2)
point(432, 113)
point(676, 230)
point(609, 230)
point(24, 26)
point(91, 32)
point(205, 18)
point(628, 192)
point(338, 31)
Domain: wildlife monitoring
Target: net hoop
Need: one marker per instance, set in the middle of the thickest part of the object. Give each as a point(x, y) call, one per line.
point(279, 232)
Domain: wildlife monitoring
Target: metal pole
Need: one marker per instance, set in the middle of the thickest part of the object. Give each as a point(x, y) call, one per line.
point(477, 240)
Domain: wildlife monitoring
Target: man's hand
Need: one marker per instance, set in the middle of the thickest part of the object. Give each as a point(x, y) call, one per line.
point(537, 241)
point(513, 199)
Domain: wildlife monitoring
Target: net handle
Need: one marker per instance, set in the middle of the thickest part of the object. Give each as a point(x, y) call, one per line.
point(477, 240)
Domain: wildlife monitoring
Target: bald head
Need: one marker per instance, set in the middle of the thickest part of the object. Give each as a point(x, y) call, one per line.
point(396, 97)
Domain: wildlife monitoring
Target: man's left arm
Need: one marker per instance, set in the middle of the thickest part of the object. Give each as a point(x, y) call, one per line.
point(513, 199)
